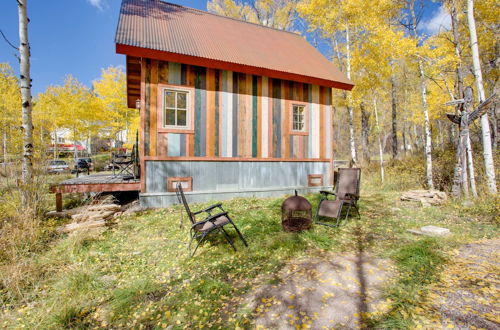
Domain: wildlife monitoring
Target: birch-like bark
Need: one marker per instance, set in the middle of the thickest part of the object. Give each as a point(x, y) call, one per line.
point(55, 143)
point(423, 90)
point(365, 131)
point(27, 122)
point(470, 165)
point(394, 120)
point(352, 142)
point(380, 150)
point(459, 88)
point(485, 125)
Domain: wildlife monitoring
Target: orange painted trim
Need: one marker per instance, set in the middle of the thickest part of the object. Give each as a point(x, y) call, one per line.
point(234, 159)
point(142, 122)
point(270, 116)
point(162, 144)
point(331, 136)
point(290, 115)
point(171, 180)
point(216, 64)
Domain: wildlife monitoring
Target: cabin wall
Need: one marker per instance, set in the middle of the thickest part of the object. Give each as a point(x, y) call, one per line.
point(235, 115)
point(240, 144)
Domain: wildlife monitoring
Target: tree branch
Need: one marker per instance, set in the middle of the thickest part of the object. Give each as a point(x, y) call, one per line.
point(7, 41)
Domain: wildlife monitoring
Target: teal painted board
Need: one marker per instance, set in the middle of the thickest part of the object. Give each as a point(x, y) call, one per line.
point(200, 111)
point(174, 145)
point(254, 116)
point(174, 73)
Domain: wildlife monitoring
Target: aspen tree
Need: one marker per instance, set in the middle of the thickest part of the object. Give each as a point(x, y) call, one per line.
point(485, 126)
point(27, 123)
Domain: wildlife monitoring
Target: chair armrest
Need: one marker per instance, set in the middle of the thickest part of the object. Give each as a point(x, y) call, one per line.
point(210, 218)
point(324, 192)
point(209, 208)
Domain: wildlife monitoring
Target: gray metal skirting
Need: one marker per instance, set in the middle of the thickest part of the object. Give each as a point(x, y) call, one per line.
point(219, 181)
point(153, 200)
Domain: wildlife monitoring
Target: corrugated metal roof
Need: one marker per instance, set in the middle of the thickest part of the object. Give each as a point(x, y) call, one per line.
point(161, 26)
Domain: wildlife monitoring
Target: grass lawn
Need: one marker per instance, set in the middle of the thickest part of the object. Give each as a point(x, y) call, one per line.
point(138, 273)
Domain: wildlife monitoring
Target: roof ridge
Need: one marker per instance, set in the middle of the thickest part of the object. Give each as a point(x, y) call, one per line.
point(227, 17)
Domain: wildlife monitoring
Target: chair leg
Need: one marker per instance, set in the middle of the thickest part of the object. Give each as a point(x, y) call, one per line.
point(228, 238)
point(199, 242)
point(239, 234)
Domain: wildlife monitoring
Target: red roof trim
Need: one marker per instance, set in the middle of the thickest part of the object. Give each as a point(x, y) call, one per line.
point(222, 65)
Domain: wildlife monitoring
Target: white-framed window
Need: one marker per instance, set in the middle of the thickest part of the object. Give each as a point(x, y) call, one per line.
point(299, 118)
point(176, 108)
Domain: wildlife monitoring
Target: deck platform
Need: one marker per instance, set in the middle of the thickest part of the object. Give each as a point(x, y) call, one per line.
point(94, 183)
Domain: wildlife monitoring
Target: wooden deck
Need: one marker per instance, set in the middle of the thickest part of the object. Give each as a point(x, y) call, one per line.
point(94, 183)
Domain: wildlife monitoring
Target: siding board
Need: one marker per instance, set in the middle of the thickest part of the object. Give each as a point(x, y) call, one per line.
point(236, 115)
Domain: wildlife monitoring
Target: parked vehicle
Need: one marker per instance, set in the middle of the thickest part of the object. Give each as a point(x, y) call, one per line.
point(81, 165)
point(89, 162)
point(57, 166)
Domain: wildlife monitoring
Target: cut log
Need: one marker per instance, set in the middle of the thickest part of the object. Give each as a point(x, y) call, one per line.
point(71, 227)
point(104, 207)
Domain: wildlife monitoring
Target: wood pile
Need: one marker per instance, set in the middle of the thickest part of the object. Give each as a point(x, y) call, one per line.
point(425, 197)
point(93, 216)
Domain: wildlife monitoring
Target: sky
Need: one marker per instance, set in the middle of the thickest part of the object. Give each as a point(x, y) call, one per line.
point(77, 36)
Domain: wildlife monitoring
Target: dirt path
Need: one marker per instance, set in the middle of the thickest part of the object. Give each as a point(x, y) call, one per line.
point(468, 295)
point(318, 293)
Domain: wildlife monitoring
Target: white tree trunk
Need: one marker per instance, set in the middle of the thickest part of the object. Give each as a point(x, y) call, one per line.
point(380, 149)
point(423, 90)
point(485, 125)
point(55, 143)
point(352, 142)
point(27, 123)
point(470, 165)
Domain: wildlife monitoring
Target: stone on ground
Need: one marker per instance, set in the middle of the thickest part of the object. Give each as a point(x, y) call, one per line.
point(430, 231)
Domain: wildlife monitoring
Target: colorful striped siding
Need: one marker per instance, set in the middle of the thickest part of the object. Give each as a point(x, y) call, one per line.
point(236, 115)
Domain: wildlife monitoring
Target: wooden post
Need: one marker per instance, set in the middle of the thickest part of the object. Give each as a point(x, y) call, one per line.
point(59, 202)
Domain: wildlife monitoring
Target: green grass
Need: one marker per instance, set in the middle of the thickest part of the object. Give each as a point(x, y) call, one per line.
point(139, 272)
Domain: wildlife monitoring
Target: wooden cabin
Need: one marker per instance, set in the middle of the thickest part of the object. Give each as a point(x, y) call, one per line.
point(228, 108)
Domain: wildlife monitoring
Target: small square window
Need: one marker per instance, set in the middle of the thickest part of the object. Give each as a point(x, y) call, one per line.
point(299, 118)
point(175, 108)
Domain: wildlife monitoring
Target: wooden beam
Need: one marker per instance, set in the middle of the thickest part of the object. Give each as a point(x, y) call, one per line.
point(94, 187)
point(59, 202)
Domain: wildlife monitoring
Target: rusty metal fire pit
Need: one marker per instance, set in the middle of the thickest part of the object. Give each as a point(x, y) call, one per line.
point(296, 213)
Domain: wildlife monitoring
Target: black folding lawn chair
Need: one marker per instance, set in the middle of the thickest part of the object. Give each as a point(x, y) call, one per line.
point(347, 186)
point(212, 223)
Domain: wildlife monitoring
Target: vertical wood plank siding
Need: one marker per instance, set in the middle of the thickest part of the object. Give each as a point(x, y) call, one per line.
point(235, 115)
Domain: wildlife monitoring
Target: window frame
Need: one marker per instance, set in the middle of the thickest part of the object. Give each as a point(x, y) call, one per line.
point(161, 109)
point(306, 118)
